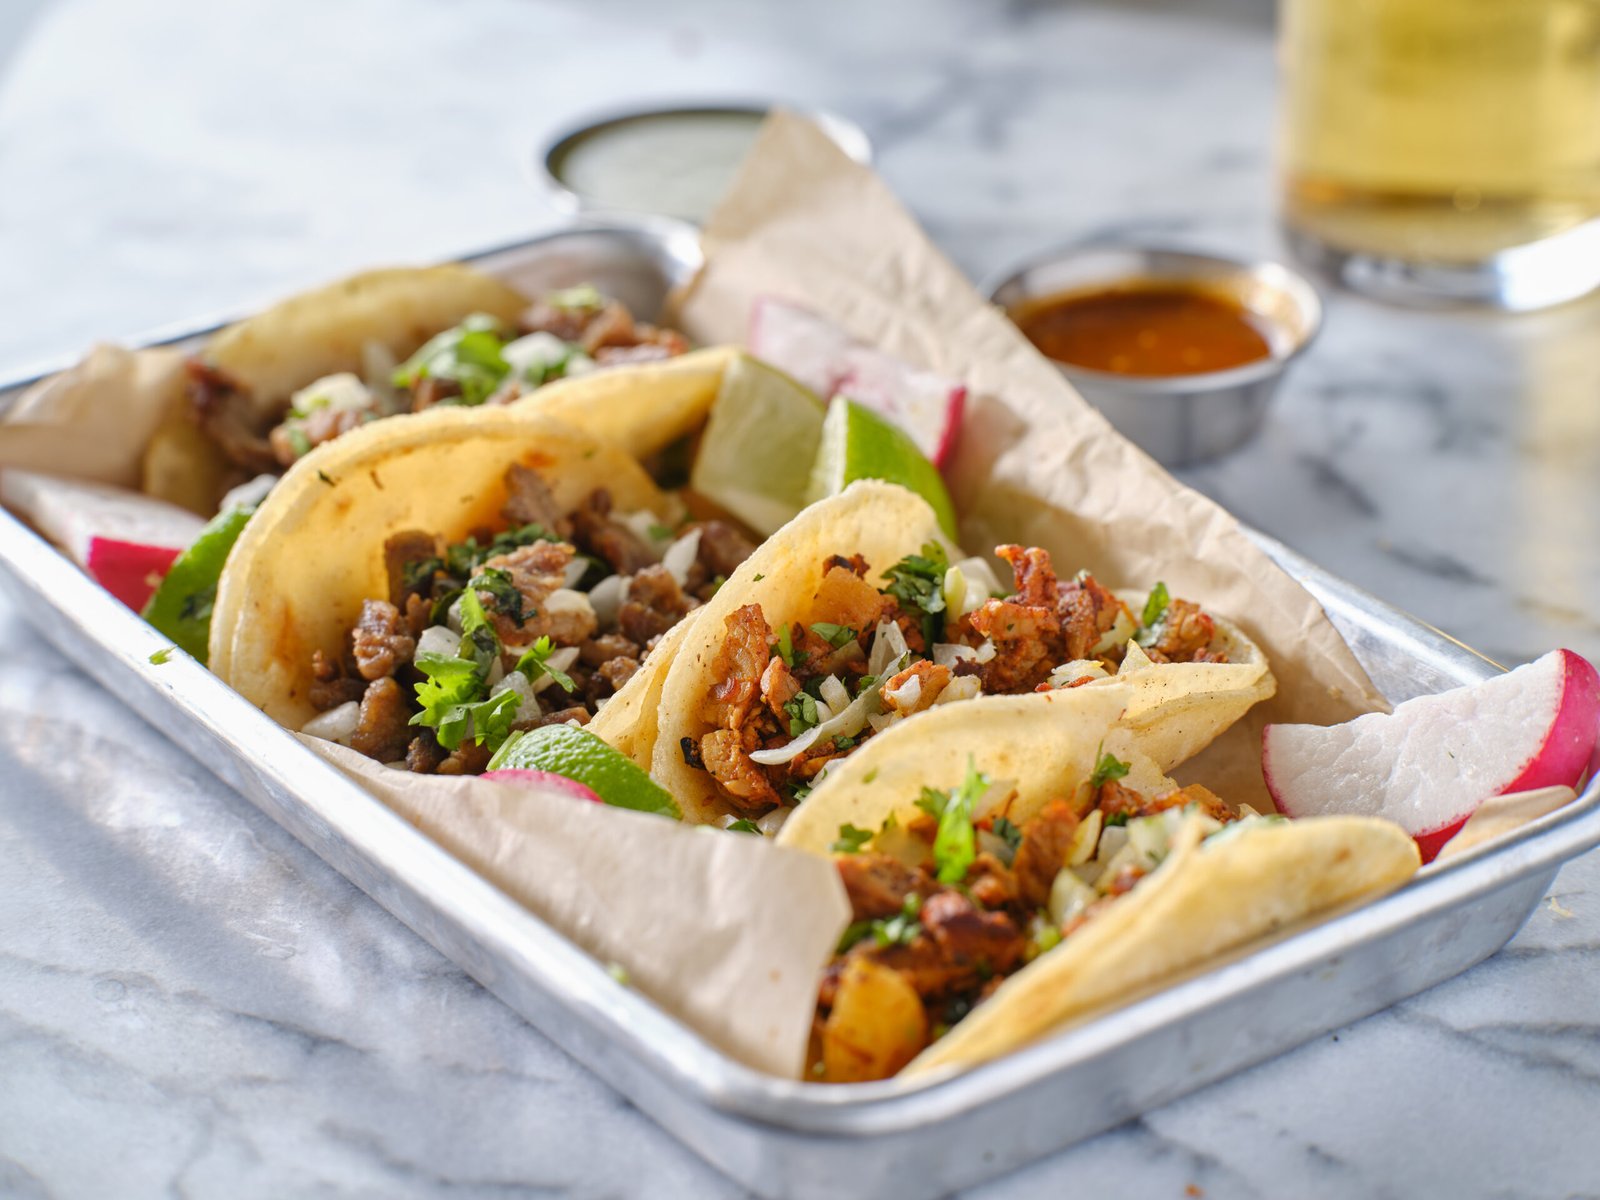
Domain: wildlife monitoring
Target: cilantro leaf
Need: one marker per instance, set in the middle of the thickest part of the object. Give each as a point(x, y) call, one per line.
point(533, 664)
point(452, 685)
point(1007, 831)
point(836, 636)
point(467, 355)
point(803, 714)
point(743, 825)
point(851, 840)
point(503, 593)
point(917, 583)
point(1108, 768)
point(1156, 606)
point(582, 298)
point(955, 845)
point(785, 646)
point(899, 930)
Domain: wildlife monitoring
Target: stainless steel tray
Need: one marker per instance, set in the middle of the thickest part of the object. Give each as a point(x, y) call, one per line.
point(780, 1137)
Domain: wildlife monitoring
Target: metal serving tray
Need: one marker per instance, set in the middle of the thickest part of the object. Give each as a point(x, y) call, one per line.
point(781, 1137)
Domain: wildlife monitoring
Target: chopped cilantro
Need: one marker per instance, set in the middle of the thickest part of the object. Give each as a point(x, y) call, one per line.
point(468, 356)
point(836, 636)
point(451, 687)
point(785, 647)
point(803, 714)
point(744, 825)
point(503, 594)
point(841, 742)
point(1155, 606)
point(583, 297)
point(798, 792)
point(618, 972)
point(298, 441)
point(1108, 767)
point(955, 843)
point(716, 583)
point(1116, 818)
point(758, 579)
point(323, 475)
point(462, 559)
point(899, 930)
point(660, 532)
point(1045, 939)
point(917, 583)
point(1007, 832)
point(533, 664)
point(851, 840)
point(868, 778)
point(162, 656)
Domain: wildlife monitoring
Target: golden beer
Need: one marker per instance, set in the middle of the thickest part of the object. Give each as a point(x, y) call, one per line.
point(1440, 131)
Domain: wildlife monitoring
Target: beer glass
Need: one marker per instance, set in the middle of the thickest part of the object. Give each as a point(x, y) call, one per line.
point(1444, 150)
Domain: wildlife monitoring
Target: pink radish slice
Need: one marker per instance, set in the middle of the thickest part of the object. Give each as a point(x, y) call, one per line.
point(829, 361)
point(548, 779)
point(123, 539)
point(130, 571)
point(1429, 764)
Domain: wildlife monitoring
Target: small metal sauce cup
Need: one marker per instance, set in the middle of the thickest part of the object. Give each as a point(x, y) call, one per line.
point(549, 166)
point(1179, 419)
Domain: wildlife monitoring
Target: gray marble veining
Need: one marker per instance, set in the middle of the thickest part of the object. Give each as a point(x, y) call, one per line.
point(192, 1005)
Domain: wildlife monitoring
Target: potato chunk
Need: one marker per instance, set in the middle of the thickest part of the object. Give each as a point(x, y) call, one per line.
point(876, 1027)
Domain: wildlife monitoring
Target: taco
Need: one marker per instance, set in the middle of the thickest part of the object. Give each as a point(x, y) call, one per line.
point(1007, 873)
point(858, 615)
point(263, 392)
point(421, 589)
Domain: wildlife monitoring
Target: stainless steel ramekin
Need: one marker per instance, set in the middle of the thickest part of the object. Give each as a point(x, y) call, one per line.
point(1179, 419)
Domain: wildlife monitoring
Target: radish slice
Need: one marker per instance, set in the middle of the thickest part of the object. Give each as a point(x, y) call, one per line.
point(123, 539)
point(522, 777)
point(830, 362)
point(1429, 765)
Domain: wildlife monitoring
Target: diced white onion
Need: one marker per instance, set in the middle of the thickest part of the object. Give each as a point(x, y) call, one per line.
point(377, 372)
point(888, 647)
point(497, 672)
point(440, 640)
point(337, 724)
point(962, 687)
point(882, 721)
point(1085, 838)
point(904, 698)
point(338, 392)
point(680, 556)
point(574, 571)
point(773, 821)
point(981, 581)
point(516, 681)
point(1135, 660)
point(1112, 839)
point(248, 494)
point(955, 591)
point(579, 364)
point(1067, 672)
point(948, 654)
point(846, 723)
point(835, 693)
point(452, 616)
point(564, 601)
point(1122, 629)
point(1069, 896)
point(647, 526)
point(986, 650)
point(535, 353)
point(996, 797)
point(606, 598)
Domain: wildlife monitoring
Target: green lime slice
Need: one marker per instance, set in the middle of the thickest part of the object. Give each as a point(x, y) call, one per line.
point(580, 755)
point(859, 444)
point(181, 606)
point(759, 442)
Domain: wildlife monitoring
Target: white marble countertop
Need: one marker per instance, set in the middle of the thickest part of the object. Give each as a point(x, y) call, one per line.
point(191, 1004)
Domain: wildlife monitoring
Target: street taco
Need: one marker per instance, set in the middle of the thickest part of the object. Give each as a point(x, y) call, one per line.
point(263, 392)
point(1007, 873)
point(858, 615)
point(421, 589)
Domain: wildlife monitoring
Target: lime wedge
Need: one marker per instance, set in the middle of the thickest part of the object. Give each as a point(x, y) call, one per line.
point(581, 756)
point(759, 442)
point(181, 606)
point(859, 444)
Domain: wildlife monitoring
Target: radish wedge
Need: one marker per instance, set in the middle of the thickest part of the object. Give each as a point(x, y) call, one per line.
point(1429, 764)
point(545, 779)
point(831, 363)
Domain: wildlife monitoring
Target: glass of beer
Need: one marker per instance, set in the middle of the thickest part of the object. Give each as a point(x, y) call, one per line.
point(1445, 150)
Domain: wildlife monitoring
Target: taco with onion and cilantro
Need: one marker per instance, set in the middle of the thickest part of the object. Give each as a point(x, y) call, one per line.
point(419, 590)
point(858, 615)
point(1014, 868)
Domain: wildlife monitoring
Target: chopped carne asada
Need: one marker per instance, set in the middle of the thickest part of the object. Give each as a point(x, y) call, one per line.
point(510, 629)
point(952, 937)
point(480, 361)
point(786, 702)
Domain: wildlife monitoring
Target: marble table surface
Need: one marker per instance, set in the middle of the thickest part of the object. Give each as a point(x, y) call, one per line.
point(191, 1004)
